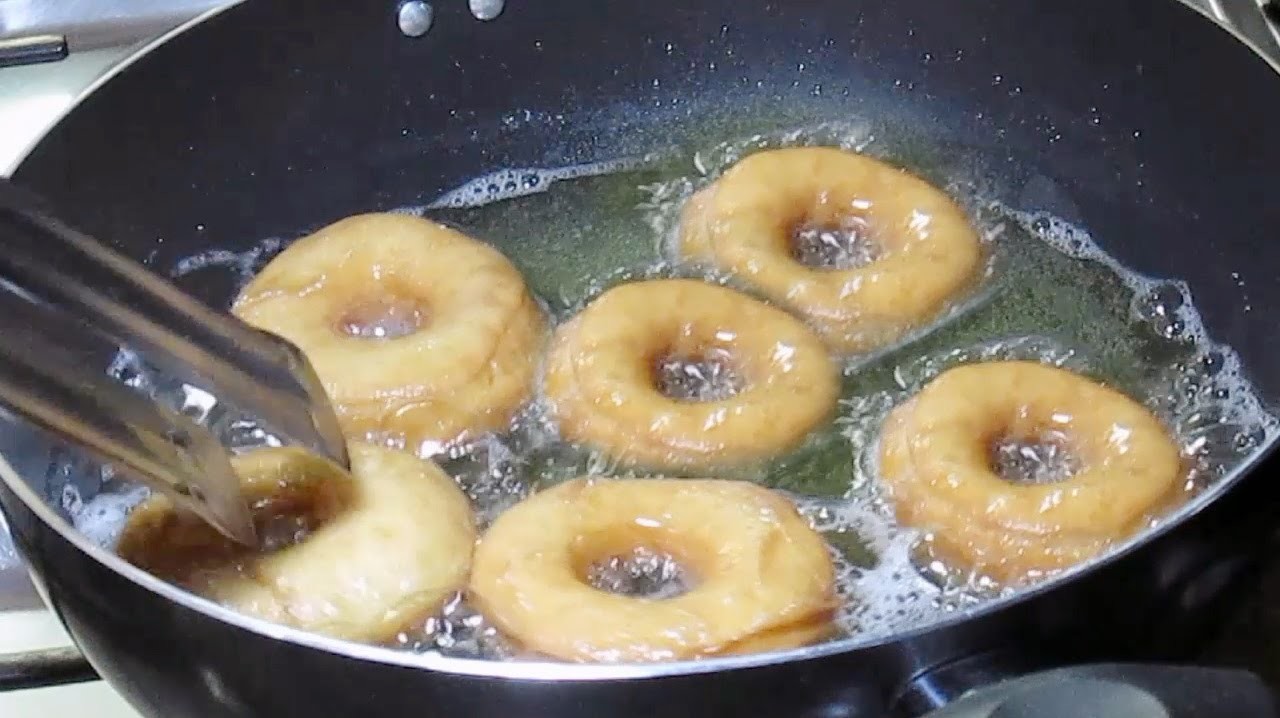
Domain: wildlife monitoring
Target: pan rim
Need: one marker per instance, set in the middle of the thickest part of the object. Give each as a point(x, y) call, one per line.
point(560, 672)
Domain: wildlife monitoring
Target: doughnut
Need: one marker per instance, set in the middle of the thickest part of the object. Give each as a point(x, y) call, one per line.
point(602, 388)
point(421, 336)
point(936, 464)
point(381, 548)
point(745, 224)
point(762, 579)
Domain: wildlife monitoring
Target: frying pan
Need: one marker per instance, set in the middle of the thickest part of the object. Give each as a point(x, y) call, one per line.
point(1138, 119)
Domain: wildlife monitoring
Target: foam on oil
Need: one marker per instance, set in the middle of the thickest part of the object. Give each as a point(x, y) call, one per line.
point(1049, 294)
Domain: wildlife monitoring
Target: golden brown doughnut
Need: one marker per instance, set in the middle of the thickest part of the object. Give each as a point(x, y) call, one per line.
point(601, 384)
point(468, 360)
point(762, 578)
point(928, 252)
point(385, 545)
point(936, 467)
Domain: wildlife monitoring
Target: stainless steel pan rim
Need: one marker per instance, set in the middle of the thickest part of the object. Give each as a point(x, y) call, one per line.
point(557, 671)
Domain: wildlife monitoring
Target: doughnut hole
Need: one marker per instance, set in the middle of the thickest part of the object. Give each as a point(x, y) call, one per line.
point(644, 573)
point(1045, 458)
point(844, 242)
point(631, 564)
point(184, 546)
point(384, 317)
point(704, 376)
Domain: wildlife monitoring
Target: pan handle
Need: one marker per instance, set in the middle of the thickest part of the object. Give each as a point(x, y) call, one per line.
point(48, 667)
point(1101, 690)
point(32, 49)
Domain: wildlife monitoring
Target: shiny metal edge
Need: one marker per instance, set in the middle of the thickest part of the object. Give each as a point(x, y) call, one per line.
point(1253, 22)
point(94, 24)
point(110, 74)
point(557, 671)
point(1244, 19)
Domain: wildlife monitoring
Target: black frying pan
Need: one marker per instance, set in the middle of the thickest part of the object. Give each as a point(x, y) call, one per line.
point(1137, 119)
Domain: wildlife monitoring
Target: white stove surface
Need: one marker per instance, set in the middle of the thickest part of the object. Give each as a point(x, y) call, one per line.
point(31, 99)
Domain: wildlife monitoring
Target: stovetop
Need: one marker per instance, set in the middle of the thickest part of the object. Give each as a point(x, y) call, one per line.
point(98, 34)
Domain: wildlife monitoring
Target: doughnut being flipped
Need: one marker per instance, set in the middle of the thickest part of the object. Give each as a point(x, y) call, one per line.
point(920, 250)
point(604, 383)
point(420, 334)
point(385, 546)
point(760, 578)
point(938, 468)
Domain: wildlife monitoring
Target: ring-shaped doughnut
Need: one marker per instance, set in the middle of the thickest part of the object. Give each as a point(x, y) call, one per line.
point(388, 543)
point(469, 358)
point(928, 252)
point(936, 466)
point(762, 579)
point(601, 386)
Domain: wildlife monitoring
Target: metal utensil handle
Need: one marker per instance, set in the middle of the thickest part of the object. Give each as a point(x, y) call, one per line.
point(256, 372)
point(138, 436)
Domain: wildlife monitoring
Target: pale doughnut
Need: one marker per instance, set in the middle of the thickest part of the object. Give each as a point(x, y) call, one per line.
point(935, 464)
point(762, 578)
point(466, 369)
point(601, 388)
point(744, 222)
point(393, 542)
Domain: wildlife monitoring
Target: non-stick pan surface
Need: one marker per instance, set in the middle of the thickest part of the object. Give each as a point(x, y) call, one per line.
point(1137, 119)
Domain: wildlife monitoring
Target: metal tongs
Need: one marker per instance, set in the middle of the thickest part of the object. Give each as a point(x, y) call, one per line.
point(56, 268)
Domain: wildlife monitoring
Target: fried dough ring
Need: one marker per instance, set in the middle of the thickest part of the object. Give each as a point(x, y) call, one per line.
point(466, 369)
point(745, 221)
point(763, 579)
point(935, 463)
point(601, 387)
point(393, 542)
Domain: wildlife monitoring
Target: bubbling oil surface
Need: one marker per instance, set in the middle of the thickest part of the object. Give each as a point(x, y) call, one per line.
point(1050, 294)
